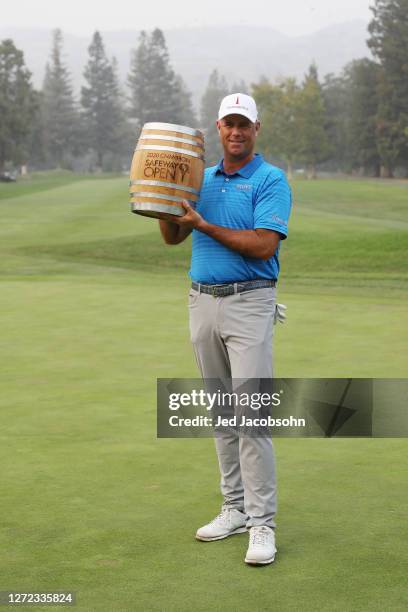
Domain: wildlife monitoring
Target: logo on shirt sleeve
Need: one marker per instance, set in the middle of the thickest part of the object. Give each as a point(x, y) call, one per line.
point(279, 220)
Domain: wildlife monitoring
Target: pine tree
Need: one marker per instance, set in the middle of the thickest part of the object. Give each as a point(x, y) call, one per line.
point(157, 93)
point(124, 134)
point(102, 115)
point(185, 108)
point(389, 44)
point(240, 87)
point(17, 105)
point(161, 87)
point(210, 102)
point(314, 144)
point(37, 153)
point(139, 81)
point(278, 111)
point(61, 127)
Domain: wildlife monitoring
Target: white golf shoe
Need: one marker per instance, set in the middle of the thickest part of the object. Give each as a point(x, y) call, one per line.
point(228, 522)
point(262, 549)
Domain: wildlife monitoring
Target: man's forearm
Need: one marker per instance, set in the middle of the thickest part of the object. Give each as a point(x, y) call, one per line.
point(245, 242)
point(257, 243)
point(170, 232)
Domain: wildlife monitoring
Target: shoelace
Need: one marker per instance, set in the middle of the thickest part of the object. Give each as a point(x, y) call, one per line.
point(259, 536)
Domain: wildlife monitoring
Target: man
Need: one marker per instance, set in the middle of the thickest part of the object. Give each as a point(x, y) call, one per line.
point(237, 226)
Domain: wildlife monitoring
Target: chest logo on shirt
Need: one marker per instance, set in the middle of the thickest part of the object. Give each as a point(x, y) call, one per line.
point(243, 187)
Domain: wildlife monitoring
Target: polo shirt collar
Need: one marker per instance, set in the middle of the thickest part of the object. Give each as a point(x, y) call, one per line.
point(246, 171)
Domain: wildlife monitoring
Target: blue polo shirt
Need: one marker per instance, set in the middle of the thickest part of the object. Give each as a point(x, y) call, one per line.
point(256, 196)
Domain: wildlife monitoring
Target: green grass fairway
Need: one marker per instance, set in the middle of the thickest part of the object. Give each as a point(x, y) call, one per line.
point(94, 309)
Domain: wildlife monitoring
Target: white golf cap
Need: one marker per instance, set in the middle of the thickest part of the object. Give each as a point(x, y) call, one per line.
point(238, 104)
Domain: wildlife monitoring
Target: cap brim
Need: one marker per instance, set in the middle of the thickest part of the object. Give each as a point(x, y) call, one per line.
point(237, 112)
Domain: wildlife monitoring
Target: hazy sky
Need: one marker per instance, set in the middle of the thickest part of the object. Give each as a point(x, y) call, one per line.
point(291, 17)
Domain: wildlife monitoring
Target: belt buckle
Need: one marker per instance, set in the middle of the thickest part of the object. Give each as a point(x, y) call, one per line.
point(214, 290)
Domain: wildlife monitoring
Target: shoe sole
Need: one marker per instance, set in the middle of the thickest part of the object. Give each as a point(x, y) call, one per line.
point(222, 537)
point(254, 562)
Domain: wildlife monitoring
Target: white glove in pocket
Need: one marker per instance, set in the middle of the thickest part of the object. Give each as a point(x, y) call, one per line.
point(280, 314)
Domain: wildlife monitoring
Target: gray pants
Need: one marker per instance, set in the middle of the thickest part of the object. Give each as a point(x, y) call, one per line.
point(232, 338)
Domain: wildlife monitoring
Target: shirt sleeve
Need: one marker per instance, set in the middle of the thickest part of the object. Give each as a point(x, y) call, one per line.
point(273, 204)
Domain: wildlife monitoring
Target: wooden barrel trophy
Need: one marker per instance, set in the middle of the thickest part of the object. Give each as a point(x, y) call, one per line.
point(167, 167)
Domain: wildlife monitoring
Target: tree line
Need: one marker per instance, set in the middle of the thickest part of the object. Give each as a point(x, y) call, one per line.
point(356, 121)
point(51, 128)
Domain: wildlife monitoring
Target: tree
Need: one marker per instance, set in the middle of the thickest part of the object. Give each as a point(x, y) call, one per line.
point(240, 87)
point(37, 154)
point(61, 125)
point(157, 93)
point(216, 90)
point(139, 81)
point(336, 94)
point(102, 115)
point(184, 107)
point(313, 141)
point(362, 77)
point(389, 43)
point(278, 107)
point(16, 105)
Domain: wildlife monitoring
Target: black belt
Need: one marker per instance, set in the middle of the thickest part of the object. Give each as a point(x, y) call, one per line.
point(231, 288)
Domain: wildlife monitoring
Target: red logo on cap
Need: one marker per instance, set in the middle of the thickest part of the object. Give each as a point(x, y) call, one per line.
point(237, 100)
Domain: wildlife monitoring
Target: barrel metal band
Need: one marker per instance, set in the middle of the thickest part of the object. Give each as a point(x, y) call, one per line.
point(172, 149)
point(159, 196)
point(164, 208)
point(164, 184)
point(171, 127)
point(172, 139)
